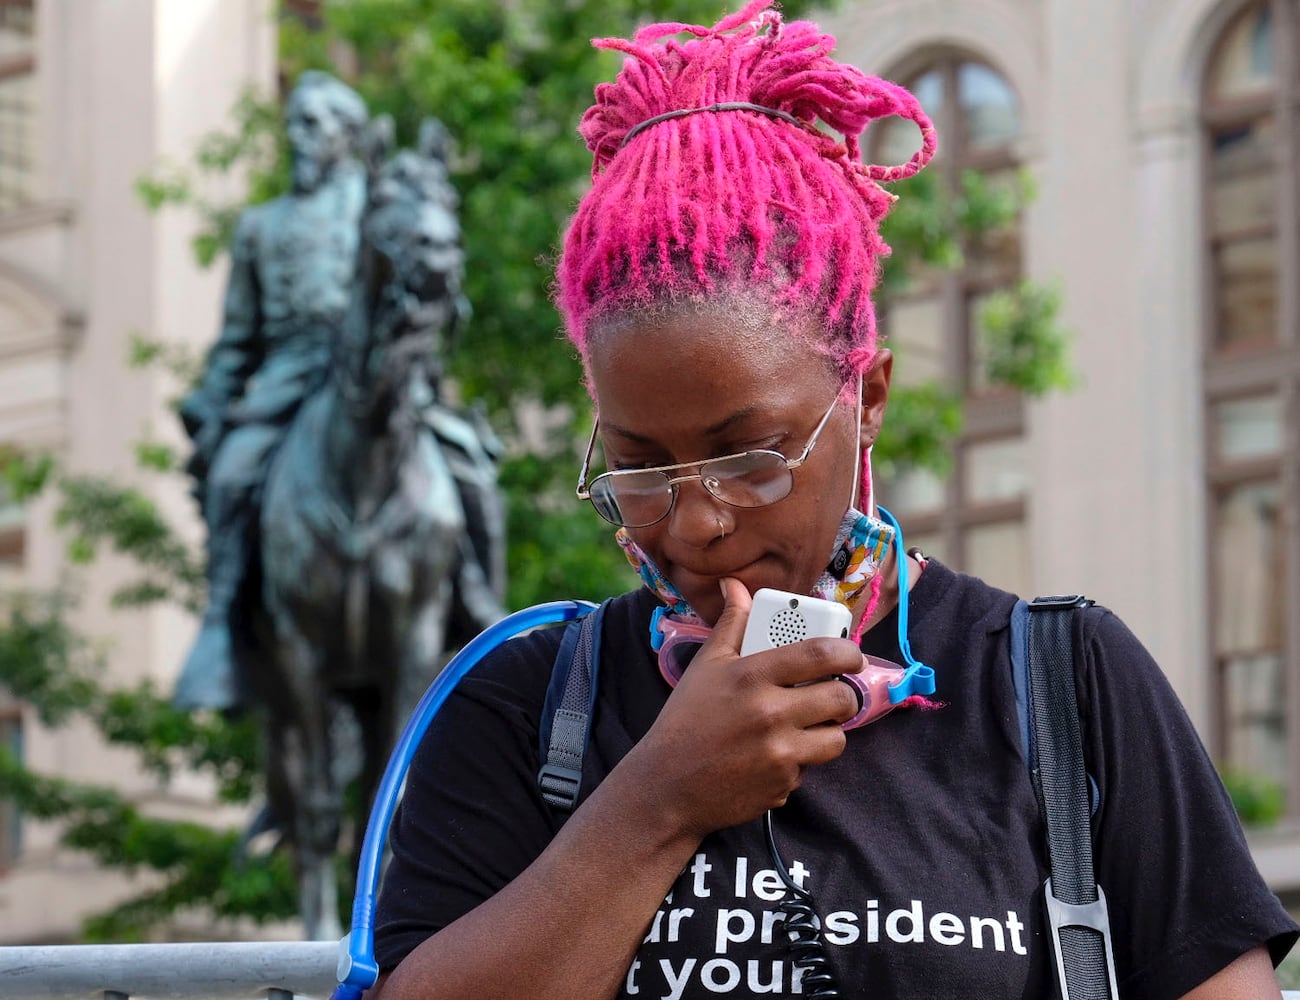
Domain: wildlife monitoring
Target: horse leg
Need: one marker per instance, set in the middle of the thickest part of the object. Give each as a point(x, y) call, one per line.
point(368, 709)
point(281, 788)
point(415, 658)
point(421, 653)
point(315, 821)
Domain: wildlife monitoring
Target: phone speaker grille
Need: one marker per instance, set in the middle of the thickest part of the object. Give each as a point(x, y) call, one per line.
point(786, 626)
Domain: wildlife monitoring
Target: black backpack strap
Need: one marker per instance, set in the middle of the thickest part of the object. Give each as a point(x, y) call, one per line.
point(1020, 680)
point(566, 714)
point(1075, 904)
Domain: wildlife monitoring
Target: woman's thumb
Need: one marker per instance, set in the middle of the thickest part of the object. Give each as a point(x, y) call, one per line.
point(729, 630)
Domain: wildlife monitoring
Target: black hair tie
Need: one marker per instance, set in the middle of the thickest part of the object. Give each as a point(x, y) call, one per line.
point(723, 106)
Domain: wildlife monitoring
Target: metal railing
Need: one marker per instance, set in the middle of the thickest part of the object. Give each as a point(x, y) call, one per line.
point(215, 971)
point(208, 971)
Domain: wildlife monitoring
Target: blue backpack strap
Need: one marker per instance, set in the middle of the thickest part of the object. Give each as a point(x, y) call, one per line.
point(1020, 675)
point(567, 711)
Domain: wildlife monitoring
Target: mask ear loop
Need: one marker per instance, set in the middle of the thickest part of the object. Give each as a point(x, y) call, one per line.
point(868, 482)
point(861, 469)
point(864, 486)
point(918, 679)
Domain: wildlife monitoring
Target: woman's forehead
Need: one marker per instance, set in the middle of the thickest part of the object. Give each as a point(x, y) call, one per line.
point(725, 327)
point(701, 370)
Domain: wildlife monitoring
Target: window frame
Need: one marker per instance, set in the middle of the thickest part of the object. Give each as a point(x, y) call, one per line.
point(11, 817)
point(1250, 368)
point(13, 551)
point(12, 67)
point(988, 415)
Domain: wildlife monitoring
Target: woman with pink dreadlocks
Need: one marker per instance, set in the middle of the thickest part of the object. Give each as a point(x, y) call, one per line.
point(716, 281)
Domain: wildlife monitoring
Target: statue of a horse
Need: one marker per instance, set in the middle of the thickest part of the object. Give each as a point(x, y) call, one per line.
point(367, 570)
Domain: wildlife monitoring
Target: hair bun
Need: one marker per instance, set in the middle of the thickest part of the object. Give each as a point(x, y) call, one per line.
point(751, 56)
point(727, 161)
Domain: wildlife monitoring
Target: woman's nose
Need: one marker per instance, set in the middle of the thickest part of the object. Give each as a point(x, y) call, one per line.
point(698, 518)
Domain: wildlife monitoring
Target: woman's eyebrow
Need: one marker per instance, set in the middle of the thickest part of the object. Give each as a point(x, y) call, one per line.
point(713, 430)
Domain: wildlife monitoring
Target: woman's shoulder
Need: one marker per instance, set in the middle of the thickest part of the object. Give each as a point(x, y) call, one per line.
point(957, 601)
point(982, 605)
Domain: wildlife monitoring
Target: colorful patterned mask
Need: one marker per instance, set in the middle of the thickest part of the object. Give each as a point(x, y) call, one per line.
point(860, 546)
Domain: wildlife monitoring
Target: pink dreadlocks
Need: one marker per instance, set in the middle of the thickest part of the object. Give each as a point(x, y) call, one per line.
point(707, 199)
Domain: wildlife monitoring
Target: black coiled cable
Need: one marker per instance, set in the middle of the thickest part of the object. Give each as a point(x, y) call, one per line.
point(807, 949)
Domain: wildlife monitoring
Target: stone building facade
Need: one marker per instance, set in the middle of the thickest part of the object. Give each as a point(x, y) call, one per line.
point(1163, 137)
point(92, 97)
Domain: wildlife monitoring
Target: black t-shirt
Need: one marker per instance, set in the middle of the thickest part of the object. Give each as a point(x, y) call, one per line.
point(921, 845)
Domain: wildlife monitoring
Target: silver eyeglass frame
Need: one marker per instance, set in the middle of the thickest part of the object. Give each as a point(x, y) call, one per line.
point(584, 488)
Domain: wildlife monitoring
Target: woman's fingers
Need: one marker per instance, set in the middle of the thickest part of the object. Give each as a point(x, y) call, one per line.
point(738, 733)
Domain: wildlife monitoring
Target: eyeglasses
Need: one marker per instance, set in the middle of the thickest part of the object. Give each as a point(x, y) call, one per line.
point(638, 498)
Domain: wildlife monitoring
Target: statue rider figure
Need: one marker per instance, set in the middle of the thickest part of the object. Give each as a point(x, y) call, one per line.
point(292, 276)
point(291, 273)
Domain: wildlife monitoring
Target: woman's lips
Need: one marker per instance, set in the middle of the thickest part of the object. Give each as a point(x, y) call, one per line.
point(687, 579)
point(714, 574)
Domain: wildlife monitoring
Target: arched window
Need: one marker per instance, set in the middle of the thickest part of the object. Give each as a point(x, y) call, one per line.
point(1249, 107)
point(17, 102)
point(973, 519)
point(12, 521)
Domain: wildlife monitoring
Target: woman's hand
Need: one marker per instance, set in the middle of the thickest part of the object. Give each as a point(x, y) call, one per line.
point(733, 739)
point(737, 734)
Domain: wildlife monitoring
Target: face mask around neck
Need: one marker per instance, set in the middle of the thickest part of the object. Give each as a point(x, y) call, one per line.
point(861, 543)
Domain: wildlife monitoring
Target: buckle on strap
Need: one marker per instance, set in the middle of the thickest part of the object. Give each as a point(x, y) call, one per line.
point(1063, 601)
point(559, 785)
point(1094, 917)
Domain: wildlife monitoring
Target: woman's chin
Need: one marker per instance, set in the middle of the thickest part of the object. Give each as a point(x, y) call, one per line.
point(704, 594)
point(705, 601)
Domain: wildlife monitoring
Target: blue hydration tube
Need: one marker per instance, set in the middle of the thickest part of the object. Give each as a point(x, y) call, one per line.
point(357, 968)
point(918, 678)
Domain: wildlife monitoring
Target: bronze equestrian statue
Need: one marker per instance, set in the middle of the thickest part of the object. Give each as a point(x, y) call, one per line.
point(292, 263)
point(355, 533)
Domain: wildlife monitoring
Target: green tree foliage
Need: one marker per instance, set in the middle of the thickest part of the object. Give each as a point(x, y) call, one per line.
point(48, 665)
point(1258, 799)
point(1024, 346)
point(510, 82)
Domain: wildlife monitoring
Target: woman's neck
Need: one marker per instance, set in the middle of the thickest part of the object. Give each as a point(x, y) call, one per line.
point(888, 588)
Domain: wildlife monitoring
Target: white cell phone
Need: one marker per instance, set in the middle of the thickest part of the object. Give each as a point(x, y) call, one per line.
point(778, 619)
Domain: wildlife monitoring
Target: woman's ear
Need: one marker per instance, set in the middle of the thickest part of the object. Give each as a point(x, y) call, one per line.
point(875, 395)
